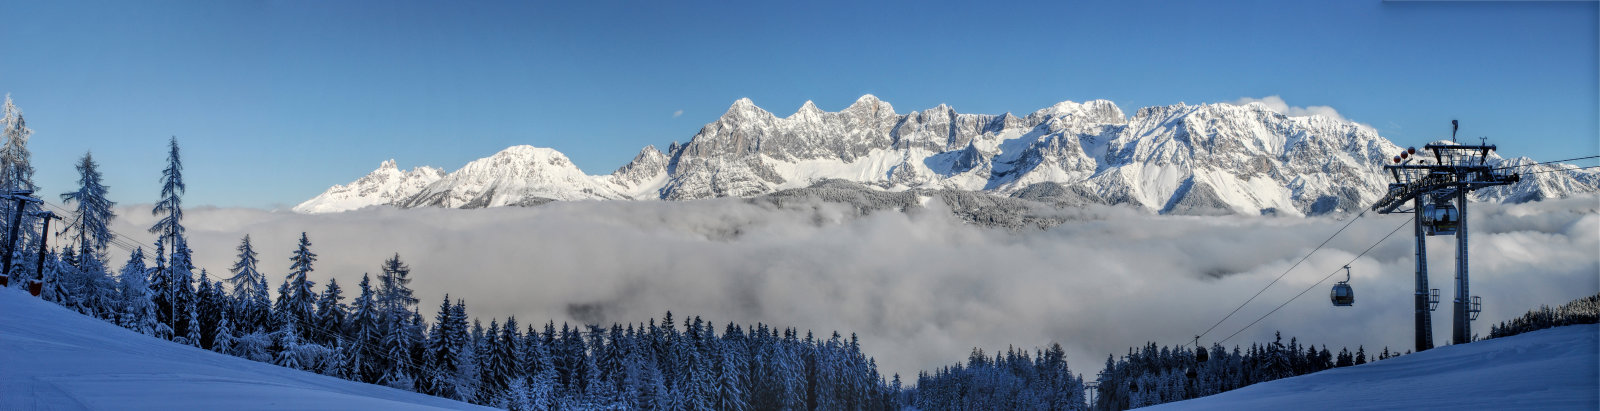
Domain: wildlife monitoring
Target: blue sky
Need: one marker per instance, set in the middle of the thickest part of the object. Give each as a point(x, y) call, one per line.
point(274, 101)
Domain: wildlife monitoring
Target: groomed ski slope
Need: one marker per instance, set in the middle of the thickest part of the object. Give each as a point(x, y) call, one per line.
point(1549, 369)
point(52, 358)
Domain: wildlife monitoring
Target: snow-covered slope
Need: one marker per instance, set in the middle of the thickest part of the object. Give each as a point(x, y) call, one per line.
point(1182, 159)
point(386, 185)
point(1543, 370)
point(54, 358)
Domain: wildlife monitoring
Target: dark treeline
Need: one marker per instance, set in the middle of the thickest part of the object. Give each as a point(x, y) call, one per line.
point(1146, 376)
point(380, 334)
point(1584, 310)
point(1012, 380)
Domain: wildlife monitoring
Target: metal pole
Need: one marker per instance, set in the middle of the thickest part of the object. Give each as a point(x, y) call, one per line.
point(1462, 328)
point(43, 235)
point(1424, 316)
point(11, 240)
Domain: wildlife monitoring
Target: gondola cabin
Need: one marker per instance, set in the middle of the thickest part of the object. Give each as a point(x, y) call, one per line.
point(1441, 219)
point(1342, 295)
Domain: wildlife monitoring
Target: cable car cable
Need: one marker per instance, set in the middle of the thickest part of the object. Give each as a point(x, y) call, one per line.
point(1280, 276)
point(1544, 162)
point(1319, 283)
point(1559, 169)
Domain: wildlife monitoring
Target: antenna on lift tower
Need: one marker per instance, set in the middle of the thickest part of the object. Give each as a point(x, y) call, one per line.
point(1438, 196)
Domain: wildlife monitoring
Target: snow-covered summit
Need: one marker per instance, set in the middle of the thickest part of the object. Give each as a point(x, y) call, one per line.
point(1216, 158)
point(518, 175)
point(386, 185)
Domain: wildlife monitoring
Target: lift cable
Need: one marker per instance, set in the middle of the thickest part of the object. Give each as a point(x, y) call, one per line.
point(1545, 162)
point(1559, 169)
point(1319, 282)
point(1280, 277)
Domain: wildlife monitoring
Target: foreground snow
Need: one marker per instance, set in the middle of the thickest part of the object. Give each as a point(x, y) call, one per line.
point(53, 358)
point(1547, 369)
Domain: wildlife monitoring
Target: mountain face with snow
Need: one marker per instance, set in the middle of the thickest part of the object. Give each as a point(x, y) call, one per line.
point(1181, 159)
point(519, 175)
point(386, 185)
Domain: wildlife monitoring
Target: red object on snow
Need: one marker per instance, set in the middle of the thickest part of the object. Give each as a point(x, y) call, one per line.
point(5, 280)
point(35, 287)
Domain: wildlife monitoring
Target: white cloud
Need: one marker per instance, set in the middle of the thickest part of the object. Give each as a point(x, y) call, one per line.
point(1277, 104)
point(922, 287)
point(675, 114)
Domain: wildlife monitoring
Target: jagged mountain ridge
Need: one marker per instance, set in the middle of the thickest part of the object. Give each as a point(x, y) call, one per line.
point(1183, 159)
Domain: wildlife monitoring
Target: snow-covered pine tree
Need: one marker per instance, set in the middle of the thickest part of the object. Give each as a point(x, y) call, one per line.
point(731, 378)
point(365, 357)
point(509, 360)
point(193, 337)
point(331, 314)
point(93, 211)
point(212, 308)
point(335, 363)
point(396, 348)
point(249, 290)
point(394, 290)
point(223, 343)
point(420, 362)
point(287, 347)
point(57, 275)
point(182, 269)
point(170, 208)
point(137, 311)
point(445, 342)
point(16, 173)
point(538, 367)
point(300, 304)
point(162, 290)
point(491, 375)
point(280, 306)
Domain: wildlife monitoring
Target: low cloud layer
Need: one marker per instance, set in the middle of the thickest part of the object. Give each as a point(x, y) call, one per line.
point(1277, 104)
point(922, 288)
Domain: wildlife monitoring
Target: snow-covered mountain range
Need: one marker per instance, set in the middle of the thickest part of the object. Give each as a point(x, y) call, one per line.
point(1183, 159)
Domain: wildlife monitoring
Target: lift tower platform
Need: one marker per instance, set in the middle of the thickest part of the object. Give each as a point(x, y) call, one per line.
point(1437, 190)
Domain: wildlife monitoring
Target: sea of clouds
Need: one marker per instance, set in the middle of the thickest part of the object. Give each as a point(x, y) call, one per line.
point(921, 287)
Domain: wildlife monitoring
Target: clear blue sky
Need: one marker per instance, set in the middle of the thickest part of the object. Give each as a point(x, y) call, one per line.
point(274, 101)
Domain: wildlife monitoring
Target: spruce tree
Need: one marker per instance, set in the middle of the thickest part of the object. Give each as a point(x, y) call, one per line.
point(93, 213)
point(301, 300)
point(170, 208)
point(331, 314)
point(249, 289)
point(162, 290)
point(137, 313)
point(16, 173)
point(394, 290)
point(181, 269)
point(367, 363)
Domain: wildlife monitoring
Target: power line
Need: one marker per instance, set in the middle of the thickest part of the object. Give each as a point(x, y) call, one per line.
point(1319, 282)
point(1280, 277)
